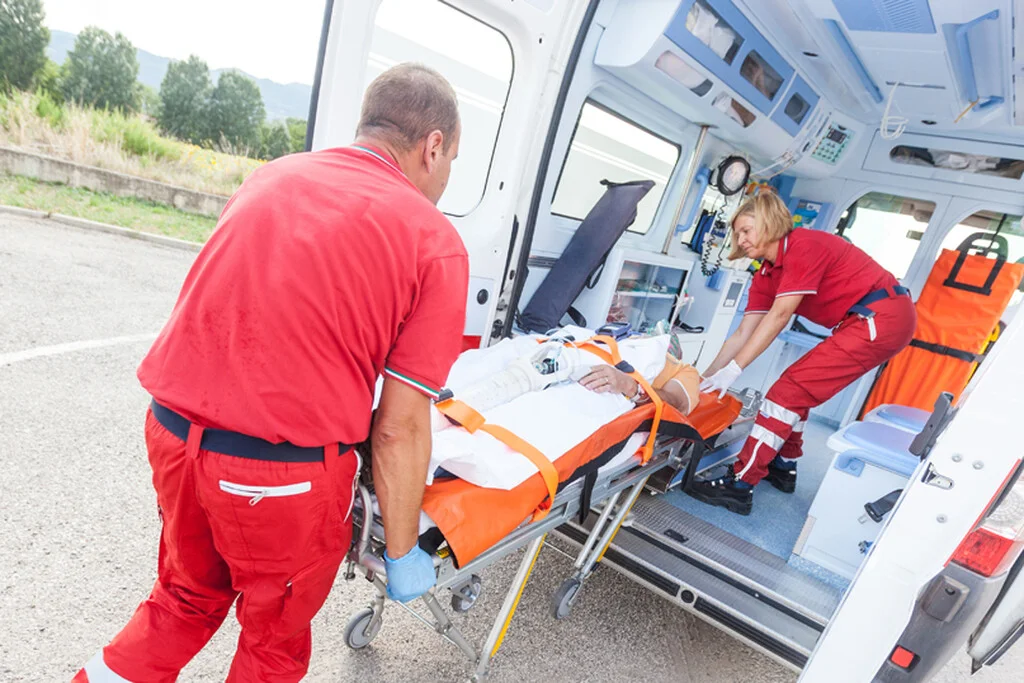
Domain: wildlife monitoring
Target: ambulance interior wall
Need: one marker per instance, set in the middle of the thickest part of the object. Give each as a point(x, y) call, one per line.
point(552, 232)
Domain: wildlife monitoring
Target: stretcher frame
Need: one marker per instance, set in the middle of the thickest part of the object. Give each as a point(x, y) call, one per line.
point(622, 483)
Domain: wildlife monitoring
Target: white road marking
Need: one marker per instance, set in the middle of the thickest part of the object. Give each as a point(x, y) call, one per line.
point(70, 347)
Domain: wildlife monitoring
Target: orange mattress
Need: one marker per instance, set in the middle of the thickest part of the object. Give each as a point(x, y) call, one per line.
point(473, 518)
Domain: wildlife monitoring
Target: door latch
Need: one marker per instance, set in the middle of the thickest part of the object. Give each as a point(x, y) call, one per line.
point(933, 478)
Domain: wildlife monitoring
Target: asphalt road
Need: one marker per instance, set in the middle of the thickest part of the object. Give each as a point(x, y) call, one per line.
point(79, 528)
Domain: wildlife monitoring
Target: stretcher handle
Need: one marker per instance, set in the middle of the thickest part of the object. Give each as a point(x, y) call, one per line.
point(964, 250)
point(996, 245)
point(363, 549)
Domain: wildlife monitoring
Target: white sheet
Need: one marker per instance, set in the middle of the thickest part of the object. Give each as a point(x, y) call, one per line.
point(553, 421)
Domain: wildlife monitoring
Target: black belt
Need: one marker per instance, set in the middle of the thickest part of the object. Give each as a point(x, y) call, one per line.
point(861, 307)
point(959, 354)
point(239, 445)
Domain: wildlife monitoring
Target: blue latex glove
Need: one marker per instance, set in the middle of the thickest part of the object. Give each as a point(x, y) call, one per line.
point(410, 576)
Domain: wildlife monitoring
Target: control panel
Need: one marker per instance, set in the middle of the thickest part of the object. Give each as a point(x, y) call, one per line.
point(832, 145)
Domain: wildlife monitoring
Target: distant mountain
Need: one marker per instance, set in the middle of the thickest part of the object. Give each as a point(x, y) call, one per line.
point(281, 101)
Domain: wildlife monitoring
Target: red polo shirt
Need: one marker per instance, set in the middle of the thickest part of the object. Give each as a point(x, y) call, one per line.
point(830, 273)
point(325, 271)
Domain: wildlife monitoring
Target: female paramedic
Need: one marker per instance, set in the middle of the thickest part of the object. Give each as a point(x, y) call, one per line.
point(828, 281)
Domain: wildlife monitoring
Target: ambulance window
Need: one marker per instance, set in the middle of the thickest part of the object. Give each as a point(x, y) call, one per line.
point(1006, 225)
point(475, 58)
point(887, 227)
point(607, 146)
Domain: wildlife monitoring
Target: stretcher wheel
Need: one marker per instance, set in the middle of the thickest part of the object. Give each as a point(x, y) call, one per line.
point(358, 633)
point(465, 597)
point(565, 596)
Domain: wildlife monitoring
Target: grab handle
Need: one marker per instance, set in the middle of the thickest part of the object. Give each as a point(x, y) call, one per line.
point(967, 77)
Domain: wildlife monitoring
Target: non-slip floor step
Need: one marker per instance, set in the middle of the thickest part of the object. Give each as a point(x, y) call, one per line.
point(739, 560)
point(767, 625)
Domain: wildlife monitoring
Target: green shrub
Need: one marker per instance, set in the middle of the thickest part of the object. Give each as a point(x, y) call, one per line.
point(52, 112)
point(141, 139)
point(135, 135)
point(48, 81)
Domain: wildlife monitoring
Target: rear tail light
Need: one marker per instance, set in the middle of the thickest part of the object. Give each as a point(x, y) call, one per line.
point(998, 541)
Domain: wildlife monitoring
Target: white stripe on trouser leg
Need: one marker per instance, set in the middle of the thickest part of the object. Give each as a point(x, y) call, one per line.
point(753, 457)
point(767, 437)
point(764, 437)
point(773, 410)
point(98, 671)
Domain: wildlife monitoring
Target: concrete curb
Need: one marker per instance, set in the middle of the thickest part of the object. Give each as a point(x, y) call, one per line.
point(19, 162)
point(102, 227)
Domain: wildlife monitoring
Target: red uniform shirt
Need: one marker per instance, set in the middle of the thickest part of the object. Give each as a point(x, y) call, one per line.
point(325, 270)
point(830, 273)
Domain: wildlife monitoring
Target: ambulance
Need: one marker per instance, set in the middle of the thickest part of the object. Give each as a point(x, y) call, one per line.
point(892, 123)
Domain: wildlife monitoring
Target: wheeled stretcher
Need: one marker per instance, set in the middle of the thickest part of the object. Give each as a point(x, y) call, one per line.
point(477, 526)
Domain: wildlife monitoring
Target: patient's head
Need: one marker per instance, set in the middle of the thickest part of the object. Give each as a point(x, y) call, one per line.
point(760, 223)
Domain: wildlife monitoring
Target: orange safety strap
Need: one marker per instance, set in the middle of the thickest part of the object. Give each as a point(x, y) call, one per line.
point(472, 421)
point(613, 357)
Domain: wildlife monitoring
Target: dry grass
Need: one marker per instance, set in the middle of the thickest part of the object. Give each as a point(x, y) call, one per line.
point(127, 144)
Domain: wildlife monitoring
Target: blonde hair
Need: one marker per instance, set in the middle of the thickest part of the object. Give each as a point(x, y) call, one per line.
point(772, 220)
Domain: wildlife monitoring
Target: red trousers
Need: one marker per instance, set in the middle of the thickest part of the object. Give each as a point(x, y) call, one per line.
point(278, 554)
point(819, 375)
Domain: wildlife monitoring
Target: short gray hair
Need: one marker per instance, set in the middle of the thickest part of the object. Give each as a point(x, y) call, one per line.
point(408, 102)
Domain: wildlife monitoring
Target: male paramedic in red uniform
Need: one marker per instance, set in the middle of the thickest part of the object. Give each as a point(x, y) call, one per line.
point(828, 281)
point(325, 271)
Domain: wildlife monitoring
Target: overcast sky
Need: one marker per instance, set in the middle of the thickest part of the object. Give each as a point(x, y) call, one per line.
point(275, 39)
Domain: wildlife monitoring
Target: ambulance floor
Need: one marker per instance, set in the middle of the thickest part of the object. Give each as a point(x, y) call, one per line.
point(777, 518)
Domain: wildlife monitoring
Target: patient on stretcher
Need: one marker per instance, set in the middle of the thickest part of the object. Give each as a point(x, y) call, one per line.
point(551, 393)
point(547, 392)
point(678, 384)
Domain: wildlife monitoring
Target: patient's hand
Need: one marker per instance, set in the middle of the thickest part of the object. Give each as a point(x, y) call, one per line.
point(604, 379)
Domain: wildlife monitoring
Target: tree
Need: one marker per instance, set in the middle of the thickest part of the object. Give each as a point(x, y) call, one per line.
point(275, 141)
point(147, 99)
point(101, 70)
point(47, 81)
point(184, 99)
point(236, 113)
point(297, 132)
point(23, 41)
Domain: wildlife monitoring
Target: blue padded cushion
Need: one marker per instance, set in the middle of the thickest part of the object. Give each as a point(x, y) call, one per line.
point(903, 416)
point(883, 439)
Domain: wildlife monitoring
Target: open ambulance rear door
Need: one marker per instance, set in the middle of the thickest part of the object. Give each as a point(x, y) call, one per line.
point(949, 550)
point(506, 61)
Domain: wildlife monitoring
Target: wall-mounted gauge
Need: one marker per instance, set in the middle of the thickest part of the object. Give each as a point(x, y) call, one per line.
point(733, 174)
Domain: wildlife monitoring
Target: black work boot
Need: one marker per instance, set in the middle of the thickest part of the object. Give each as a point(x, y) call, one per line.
point(782, 474)
point(727, 492)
